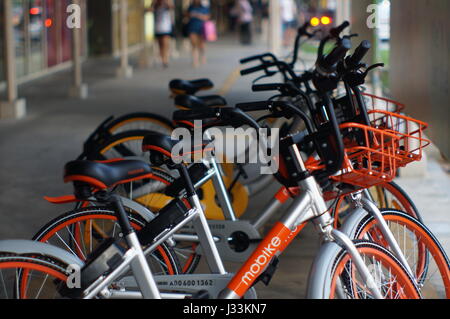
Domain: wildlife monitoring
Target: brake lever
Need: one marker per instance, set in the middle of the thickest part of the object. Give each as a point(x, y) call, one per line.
point(372, 67)
point(357, 78)
point(271, 73)
point(354, 35)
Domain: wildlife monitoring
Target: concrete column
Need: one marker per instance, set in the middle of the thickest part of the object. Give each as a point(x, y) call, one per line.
point(420, 64)
point(125, 70)
point(144, 57)
point(343, 11)
point(13, 107)
point(78, 88)
point(275, 30)
point(359, 19)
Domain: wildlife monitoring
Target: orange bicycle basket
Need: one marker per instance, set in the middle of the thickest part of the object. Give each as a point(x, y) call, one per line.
point(374, 102)
point(411, 140)
point(369, 158)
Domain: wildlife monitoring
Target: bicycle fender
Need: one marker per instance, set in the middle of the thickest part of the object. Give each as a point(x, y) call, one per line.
point(352, 221)
point(141, 210)
point(61, 199)
point(25, 247)
point(319, 279)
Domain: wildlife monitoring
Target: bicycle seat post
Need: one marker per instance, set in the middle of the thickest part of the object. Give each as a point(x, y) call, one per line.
point(140, 267)
point(201, 224)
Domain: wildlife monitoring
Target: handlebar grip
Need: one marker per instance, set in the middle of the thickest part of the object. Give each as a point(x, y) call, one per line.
point(226, 116)
point(327, 64)
point(335, 32)
point(250, 59)
point(359, 54)
point(266, 87)
point(253, 70)
point(253, 106)
point(203, 114)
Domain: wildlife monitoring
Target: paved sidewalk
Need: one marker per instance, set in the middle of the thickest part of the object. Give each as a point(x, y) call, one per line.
point(35, 149)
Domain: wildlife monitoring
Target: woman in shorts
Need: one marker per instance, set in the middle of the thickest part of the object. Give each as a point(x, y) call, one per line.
point(197, 14)
point(163, 12)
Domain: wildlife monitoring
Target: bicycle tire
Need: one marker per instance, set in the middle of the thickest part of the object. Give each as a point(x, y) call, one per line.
point(116, 144)
point(78, 223)
point(430, 259)
point(19, 273)
point(342, 262)
point(140, 120)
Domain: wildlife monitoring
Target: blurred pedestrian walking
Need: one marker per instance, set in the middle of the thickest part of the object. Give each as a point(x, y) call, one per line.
point(163, 12)
point(198, 14)
point(243, 11)
point(289, 12)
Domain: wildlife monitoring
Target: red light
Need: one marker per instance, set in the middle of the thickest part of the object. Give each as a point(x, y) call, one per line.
point(326, 20)
point(48, 23)
point(35, 11)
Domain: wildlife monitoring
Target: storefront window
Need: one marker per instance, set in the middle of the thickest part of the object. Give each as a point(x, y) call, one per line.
point(36, 35)
point(51, 32)
point(65, 33)
point(18, 21)
point(135, 16)
point(135, 21)
point(41, 36)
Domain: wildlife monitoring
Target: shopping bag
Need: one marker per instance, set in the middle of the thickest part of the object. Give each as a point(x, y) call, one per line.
point(210, 31)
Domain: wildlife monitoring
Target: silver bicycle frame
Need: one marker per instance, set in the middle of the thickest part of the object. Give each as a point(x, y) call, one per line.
point(135, 259)
point(310, 205)
point(369, 206)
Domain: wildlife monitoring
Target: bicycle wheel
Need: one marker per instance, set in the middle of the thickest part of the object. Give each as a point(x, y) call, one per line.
point(390, 276)
point(387, 195)
point(140, 121)
point(424, 254)
point(81, 231)
point(129, 144)
point(31, 277)
point(150, 193)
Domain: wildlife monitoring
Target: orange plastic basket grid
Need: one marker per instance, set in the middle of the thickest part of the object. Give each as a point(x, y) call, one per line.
point(374, 102)
point(367, 163)
point(410, 132)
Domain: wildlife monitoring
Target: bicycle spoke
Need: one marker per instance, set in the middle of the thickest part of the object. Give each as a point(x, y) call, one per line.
point(42, 286)
point(4, 284)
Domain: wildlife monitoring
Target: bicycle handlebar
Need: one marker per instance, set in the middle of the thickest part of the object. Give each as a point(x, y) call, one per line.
point(355, 59)
point(227, 116)
point(335, 32)
point(267, 87)
point(254, 69)
point(258, 57)
point(278, 109)
point(327, 64)
point(302, 31)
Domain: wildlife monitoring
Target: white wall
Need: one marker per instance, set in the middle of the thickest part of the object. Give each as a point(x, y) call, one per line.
point(420, 58)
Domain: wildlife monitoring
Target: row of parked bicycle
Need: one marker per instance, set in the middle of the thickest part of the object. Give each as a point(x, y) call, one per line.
point(144, 220)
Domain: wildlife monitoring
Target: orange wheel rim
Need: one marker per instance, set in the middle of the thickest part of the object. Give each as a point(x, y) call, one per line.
point(30, 266)
point(137, 227)
point(424, 243)
point(409, 290)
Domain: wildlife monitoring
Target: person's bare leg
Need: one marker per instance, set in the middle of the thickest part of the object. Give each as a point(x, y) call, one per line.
point(161, 48)
point(195, 49)
point(202, 49)
point(166, 50)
